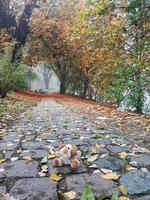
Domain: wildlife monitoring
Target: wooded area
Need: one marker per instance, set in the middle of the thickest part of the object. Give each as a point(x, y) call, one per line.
point(96, 48)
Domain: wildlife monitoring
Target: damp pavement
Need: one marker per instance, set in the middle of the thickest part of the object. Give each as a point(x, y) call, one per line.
point(39, 131)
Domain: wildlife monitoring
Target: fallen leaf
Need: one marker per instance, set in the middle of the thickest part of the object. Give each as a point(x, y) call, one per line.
point(123, 189)
point(106, 171)
point(2, 170)
point(44, 134)
point(123, 155)
point(93, 166)
point(87, 194)
point(129, 168)
point(14, 158)
point(85, 162)
point(97, 171)
point(44, 160)
point(85, 149)
point(144, 169)
point(71, 195)
point(92, 158)
point(115, 195)
point(29, 158)
point(2, 161)
point(51, 156)
point(103, 155)
point(100, 145)
point(133, 163)
point(110, 176)
point(124, 198)
point(93, 151)
point(55, 177)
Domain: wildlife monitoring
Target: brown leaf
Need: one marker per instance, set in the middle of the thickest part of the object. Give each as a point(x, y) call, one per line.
point(29, 158)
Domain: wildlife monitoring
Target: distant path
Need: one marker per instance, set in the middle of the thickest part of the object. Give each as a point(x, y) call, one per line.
point(51, 123)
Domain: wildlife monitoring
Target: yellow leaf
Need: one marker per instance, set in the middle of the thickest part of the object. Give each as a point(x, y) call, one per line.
point(123, 155)
point(124, 198)
point(50, 156)
point(129, 168)
point(123, 189)
point(2, 160)
point(100, 145)
point(93, 151)
point(44, 134)
point(27, 158)
point(55, 177)
point(110, 176)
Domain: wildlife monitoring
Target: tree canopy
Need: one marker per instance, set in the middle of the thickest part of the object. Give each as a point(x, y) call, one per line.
point(103, 44)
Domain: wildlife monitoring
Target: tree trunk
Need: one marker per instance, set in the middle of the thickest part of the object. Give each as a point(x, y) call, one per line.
point(62, 87)
point(22, 30)
point(139, 104)
point(3, 94)
point(86, 85)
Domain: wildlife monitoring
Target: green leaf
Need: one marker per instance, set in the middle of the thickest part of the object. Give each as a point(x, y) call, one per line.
point(85, 150)
point(87, 194)
point(115, 195)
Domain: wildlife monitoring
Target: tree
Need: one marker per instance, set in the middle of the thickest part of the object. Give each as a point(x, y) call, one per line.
point(12, 76)
point(49, 41)
point(132, 79)
point(98, 34)
point(47, 73)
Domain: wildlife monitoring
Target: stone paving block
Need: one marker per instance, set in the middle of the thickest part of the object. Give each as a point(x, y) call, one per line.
point(34, 145)
point(136, 181)
point(3, 189)
point(142, 160)
point(110, 162)
point(35, 189)
point(20, 168)
point(98, 185)
point(37, 154)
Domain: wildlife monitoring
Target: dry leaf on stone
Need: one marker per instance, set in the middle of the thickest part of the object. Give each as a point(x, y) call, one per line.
point(44, 160)
point(51, 156)
point(123, 155)
point(100, 145)
point(124, 198)
point(110, 176)
point(123, 189)
point(29, 158)
point(93, 151)
point(129, 168)
point(44, 134)
point(14, 158)
point(92, 158)
point(133, 163)
point(106, 171)
point(103, 155)
point(2, 170)
point(93, 166)
point(71, 195)
point(97, 171)
point(2, 161)
point(55, 177)
point(143, 169)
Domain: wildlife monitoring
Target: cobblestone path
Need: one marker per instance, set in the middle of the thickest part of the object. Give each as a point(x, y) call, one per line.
point(50, 124)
